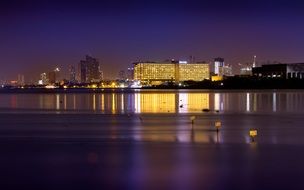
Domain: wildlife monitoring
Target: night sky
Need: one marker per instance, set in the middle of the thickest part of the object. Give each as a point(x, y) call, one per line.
point(37, 36)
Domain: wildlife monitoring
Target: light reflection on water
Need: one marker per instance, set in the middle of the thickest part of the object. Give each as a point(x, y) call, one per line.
point(160, 102)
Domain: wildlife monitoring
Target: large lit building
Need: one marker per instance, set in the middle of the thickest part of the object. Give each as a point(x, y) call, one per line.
point(174, 71)
point(89, 70)
point(193, 71)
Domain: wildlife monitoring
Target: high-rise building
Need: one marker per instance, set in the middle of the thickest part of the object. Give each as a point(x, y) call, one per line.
point(218, 66)
point(51, 77)
point(43, 79)
point(156, 73)
point(72, 73)
point(89, 70)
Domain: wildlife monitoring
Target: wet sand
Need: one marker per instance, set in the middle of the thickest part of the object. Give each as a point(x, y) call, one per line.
point(150, 151)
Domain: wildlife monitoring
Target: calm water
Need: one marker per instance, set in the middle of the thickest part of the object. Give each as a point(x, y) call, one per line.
point(142, 101)
point(157, 150)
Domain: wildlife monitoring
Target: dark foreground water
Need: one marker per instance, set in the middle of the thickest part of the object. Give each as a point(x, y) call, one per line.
point(145, 148)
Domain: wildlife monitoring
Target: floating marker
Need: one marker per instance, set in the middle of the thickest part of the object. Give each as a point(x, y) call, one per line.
point(253, 133)
point(218, 125)
point(192, 118)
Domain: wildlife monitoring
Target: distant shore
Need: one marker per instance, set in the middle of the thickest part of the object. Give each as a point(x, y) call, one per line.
point(231, 83)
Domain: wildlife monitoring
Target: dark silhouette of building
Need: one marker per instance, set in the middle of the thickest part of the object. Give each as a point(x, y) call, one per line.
point(72, 73)
point(285, 71)
point(89, 70)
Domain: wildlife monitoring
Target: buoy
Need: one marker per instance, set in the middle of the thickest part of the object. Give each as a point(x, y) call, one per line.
point(218, 125)
point(253, 133)
point(192, 118)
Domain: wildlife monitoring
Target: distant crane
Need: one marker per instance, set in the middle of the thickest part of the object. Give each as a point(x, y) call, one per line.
point(254, 64)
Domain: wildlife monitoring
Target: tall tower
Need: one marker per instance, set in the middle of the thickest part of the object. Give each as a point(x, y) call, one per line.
point(89, 70)
point(72, 73)
point(254, 64)
point(218, 65)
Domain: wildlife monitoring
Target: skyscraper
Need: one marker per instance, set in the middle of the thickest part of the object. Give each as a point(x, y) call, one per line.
point(218, 65)
point(72, 73)
point(89, 70)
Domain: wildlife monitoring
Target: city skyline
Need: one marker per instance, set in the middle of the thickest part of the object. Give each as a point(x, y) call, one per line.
point(42, 35)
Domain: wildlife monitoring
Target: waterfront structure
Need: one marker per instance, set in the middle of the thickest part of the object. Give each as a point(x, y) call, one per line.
point(174, 71)
point(89, 70)
point(193, 71)
point(285, 71)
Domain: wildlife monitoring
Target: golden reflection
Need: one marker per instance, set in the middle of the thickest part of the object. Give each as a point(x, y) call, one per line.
point(193, 102)
point(94, 102)
point(171, 103)
point(102, 102)
point(155, 103)
point(114, 101)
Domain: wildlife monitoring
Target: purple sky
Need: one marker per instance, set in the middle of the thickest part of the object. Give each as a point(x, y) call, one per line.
point(36, 36)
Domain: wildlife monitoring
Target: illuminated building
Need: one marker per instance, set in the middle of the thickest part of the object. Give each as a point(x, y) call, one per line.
point(218, 66)
point(193, 71)
point(216, 78)
point(246, 70)
point(89, 70)
point(286, 71)
point(227, 70)
point(43, 78)
point(156, 73)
